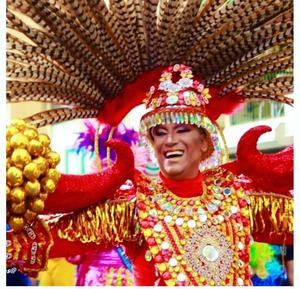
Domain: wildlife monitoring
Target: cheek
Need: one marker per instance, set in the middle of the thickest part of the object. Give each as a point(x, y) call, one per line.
point(157, 147)
point(195, 150)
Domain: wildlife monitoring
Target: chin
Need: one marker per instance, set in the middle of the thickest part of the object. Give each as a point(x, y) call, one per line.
point(173, 173)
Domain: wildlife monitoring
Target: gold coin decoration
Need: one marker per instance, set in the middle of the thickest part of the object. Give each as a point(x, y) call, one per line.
point(30, 173)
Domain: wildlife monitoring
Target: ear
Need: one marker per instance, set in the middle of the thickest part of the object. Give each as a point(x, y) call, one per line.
point(204, 144)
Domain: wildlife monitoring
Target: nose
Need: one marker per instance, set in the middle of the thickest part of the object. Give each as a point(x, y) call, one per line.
point(171, 139)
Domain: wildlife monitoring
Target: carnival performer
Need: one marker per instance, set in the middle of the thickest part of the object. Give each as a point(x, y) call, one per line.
point(186, 227)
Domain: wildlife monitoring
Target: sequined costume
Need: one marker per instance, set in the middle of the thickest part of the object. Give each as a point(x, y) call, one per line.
point(190, 62)
point(186, 233)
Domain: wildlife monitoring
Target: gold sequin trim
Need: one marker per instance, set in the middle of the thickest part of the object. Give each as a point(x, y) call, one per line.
point(280, 213)
point(112, 222)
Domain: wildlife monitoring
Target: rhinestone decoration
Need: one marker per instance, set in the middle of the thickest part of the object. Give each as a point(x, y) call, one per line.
point(208, 252)
point(199, 238)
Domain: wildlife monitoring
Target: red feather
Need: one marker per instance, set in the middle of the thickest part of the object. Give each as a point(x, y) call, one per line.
point(130, 96)
point(228, 104)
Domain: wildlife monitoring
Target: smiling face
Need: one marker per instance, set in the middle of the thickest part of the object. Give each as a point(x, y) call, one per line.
point(179, 149)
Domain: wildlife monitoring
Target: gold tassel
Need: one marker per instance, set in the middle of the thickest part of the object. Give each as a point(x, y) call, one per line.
point(280, 213)
point(112, 222)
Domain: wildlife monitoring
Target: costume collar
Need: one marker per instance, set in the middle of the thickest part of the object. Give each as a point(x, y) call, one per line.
point(187, 188)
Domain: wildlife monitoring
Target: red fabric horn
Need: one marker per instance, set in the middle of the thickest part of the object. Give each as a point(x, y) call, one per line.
point(76, 191)
point(269, 172)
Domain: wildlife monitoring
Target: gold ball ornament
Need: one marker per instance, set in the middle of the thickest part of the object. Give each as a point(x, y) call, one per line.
point(10, 131)
point(17, 195)
point(20, 158)
point(44, 140)
point(31, 171)
point(18, 208)
point(35, 148)
point(30, 133)
point(30, 215)
point(53, 159)
point(54, 175)
point(29, 158)
point(16, 223)
point(33, 188)
point(14, 177)
point(37, 205)
point(48, 185)
point(19, 141)
point(19, 124)
point(42, 164)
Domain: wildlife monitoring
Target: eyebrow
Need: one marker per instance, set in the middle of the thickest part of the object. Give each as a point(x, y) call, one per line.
point(181, 125)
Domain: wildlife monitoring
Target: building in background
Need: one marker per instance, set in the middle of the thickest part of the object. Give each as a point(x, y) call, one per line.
point(278, 116)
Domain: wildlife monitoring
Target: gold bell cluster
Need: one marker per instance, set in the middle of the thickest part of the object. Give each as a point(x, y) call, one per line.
point(30, 173)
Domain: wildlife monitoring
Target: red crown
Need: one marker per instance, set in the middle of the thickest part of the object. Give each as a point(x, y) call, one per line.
point(178, 86)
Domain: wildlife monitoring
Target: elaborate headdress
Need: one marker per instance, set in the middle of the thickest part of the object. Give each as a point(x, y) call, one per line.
point(181, 97)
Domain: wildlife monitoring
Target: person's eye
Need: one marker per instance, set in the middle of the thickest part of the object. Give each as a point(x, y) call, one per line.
point(159, 132)
point(183, 130)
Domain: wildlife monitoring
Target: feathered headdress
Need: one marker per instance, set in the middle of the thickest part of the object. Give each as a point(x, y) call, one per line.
point(98, 58)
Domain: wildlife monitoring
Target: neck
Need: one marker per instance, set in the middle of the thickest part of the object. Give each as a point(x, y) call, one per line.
point(186, 188)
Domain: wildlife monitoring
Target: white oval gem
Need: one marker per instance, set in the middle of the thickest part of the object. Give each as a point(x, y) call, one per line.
point(179, 221)
point(240, 281)
point(172, 99)
point(233, 209)
point(165, 245)
point(220, 218)
point(173, 262)
point(181, 277)
point(191, 224)
point(168, 219)
point(241, 245)
point(157, 228)
point(210, 253)
point(202, 218)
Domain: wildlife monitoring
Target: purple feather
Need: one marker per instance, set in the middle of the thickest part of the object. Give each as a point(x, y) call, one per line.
point(85, 139)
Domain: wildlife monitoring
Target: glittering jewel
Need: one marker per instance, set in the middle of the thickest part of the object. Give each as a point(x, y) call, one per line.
point(227, 191)
point(172, 99)
point(185, 82)
point(210, 253)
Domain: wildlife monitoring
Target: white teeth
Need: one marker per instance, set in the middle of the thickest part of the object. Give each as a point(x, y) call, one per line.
point(176, 153)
